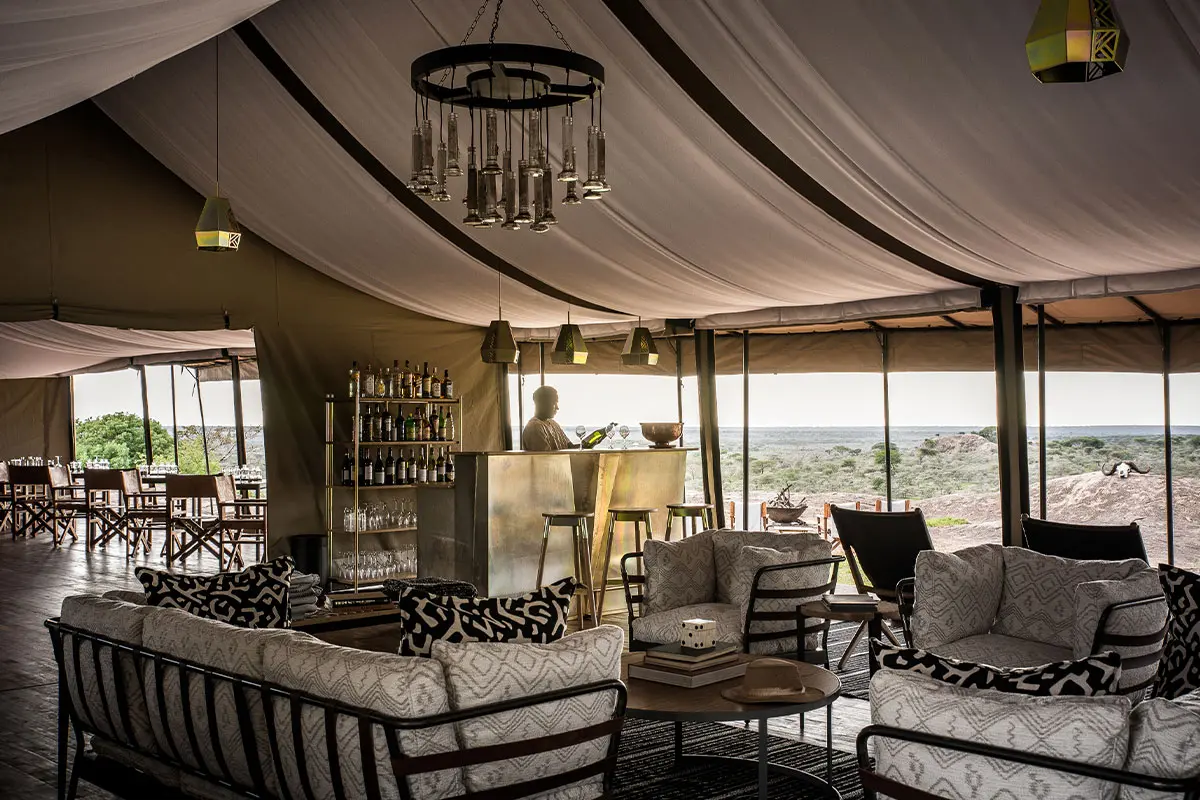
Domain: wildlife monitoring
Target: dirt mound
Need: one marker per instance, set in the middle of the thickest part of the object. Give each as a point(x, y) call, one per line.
point(961, 444)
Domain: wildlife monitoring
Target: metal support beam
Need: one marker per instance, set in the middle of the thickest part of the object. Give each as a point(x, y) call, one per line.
point(1010, 412)
point(887, 419)
point(1168, 451)
point(1140, 305)
point(542, 363)
point(146, 416)
point(520, 394)
point(174, 417)
point(203, 424)
point(71, 398)
point(955, 323)
point(710, 440)
point(745, 430)
point(506, 432)
point(679, 384)
point(1041, 387)
point(235, 367)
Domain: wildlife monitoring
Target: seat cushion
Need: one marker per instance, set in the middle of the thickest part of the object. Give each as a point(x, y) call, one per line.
point(752, 559)
point(1090, 730)
point(1038, 601)
point(1003, 651)
point(664, 627)
point(390, 685)
point(1093, 598)
point(957, 594)
point(727, 545)
point(256, 597)
point(480, 674)
point(1179, 672)
point(1164, 741)
point(679, 573)
point(538, 616)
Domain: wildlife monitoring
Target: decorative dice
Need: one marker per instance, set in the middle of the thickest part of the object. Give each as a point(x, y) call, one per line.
point(698, 634)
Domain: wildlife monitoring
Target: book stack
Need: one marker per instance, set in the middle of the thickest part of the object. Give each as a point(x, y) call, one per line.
point(682, 666)
point(851, 602)
point(359, 601)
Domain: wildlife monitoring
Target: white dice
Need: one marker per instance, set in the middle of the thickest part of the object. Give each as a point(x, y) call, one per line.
point(698, 634)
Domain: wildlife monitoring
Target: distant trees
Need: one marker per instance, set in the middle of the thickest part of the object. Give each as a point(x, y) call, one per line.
point(119, 437)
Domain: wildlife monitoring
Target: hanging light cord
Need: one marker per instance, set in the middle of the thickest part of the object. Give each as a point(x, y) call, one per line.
point(217, 84)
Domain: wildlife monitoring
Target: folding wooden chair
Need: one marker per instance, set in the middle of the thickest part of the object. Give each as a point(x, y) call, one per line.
point(241, 522)
point(144, 511)
point(193, 521)
point(105, 520)
point(43, 499)
point(6, 498)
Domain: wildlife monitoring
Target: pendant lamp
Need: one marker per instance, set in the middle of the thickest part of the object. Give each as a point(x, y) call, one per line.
point(217, 231)
point(499, 346)
point(569, 347)
point(1075, 41)
point(639, 348)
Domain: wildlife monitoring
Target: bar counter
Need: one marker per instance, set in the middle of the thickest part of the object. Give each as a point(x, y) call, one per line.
point(489, 529)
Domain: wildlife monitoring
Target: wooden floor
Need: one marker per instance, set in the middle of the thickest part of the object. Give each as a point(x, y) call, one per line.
point(34, 578)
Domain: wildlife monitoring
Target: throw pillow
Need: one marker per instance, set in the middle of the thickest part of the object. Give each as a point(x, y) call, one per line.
point(727, 544)
point(539, 616)
point(1179, 671)
point(957, 594)
point(750, 560)
point(256, 597)
point(1164, 741)
point(680, 573)
point(1086, 677)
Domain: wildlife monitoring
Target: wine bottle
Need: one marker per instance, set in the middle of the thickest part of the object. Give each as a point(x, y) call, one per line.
point(440, 468)
point(596, 437)
point(447, 386)
point(389, 470)
point(451, 430)
point(386, 427)
point(402, 469)
point(450, 468)
point(368, 382)
point(365, 434)
point(368, 477)
point(377, 470)
point(347, 469)
point(422, 470)
point(402, 388)
point(424, 432)
point(412, 468)
point(426, 387)
point(435, 385)
point(354, 379)
point(377, 427)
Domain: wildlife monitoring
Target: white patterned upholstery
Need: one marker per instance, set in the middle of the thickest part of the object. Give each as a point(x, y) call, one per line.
point(1092, 597)
point(1164, 741)
point(664, 627)
point(750, 560)
point(126, 596)
point(481, 673)
point(996, 650)
point(1091, 730)
point(727, 545)
point(679, 573)
point(957, 595)
point(396, 686)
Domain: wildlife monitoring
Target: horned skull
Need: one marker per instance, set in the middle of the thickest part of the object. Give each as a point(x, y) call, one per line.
point(1122, 469)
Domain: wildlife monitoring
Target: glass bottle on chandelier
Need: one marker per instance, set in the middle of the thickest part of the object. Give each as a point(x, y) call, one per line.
point(427, 178)
point(492, 142)
point(510, 195)
point(453, 170)
point(418, 150)
point(472, 201)
point(523, 216)
point(548, 199)
point(439, 192)
point(536, 152)
point(539, 225)
point(490, 213)
point(567, 174)
point(593, 152)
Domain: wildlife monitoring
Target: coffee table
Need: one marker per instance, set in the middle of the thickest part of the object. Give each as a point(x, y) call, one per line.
point(660, 701)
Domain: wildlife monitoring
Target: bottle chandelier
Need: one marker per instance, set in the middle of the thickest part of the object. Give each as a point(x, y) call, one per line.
point(501, 85)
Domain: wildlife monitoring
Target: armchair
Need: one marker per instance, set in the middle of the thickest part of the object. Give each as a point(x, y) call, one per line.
point(1103, 542)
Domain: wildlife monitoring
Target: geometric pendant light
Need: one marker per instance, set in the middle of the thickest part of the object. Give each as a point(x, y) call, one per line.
point(569, 347)
point(639, 347)
point(217, 231)
point(1075, 41)
point(499, 346)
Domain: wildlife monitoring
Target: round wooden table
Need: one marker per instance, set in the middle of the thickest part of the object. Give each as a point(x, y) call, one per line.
point(874, 619)
point(661, 701)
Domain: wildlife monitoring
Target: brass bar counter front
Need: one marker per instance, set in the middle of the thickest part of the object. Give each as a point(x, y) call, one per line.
point(489, 529)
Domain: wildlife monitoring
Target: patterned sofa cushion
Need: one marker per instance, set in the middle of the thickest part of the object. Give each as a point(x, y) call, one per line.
point(1179, 671)
point(1164, 741)
point(1038, 601)
point(664, 627)
point(679, 573)
point(1091, 600)
point(479, 674)
point(1091, 730)
point(256, 597)
point(539, 616)
point(395, 686)
point(1003, 651)
point(751, 559)
point(957, 594)
point(727, 545)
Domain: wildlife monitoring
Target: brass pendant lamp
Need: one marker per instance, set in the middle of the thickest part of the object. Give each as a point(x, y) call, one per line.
point(217, 230)
point(639, 348)
point(499, 346)
point(1075, 41)
point(569, 347)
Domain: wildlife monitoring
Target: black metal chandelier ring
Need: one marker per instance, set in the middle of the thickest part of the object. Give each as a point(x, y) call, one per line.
point(509, 76)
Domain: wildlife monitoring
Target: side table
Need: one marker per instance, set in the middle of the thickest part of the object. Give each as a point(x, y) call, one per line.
point(874, 619)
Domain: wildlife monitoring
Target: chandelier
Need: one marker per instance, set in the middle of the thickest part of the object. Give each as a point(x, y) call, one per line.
point(1075, 41)
point(510, 92)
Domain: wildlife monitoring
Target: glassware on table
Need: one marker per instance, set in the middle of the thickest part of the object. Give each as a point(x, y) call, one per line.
point(580, 430)
point(624, 431)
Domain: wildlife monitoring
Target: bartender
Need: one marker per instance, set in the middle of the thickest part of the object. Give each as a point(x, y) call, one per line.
point(542, 432)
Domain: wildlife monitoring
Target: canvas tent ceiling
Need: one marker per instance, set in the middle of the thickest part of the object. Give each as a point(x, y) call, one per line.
point(920, 117)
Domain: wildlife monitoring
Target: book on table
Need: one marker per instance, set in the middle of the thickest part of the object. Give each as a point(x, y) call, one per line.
point(850, 602)
point(726, 669)
point(691, 666)
point(676, 652)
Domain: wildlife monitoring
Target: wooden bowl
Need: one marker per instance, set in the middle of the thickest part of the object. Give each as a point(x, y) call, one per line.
point(784, 515)
point(662, 434)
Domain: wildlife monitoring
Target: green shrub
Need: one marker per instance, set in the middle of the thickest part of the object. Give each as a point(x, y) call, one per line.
point(945, 522)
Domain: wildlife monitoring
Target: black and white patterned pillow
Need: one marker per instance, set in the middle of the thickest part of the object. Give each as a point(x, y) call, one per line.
point(256, 597)
point(539, 617)
point(1179, 670)
point(1091, 676)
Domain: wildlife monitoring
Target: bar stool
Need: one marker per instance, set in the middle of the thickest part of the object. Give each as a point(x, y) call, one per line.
point(581, 550)
point(638, 517)
point(700, 515)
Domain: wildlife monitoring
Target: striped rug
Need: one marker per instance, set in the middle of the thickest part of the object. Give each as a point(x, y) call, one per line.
point(856, 677)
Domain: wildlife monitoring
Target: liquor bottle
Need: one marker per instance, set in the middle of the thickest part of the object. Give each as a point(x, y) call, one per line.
point(442, 425)
point(450, 468)
point(410, 427)
point(389, 470)
point(426, 426)
point(412, 468)
point(365, 434)
point(386, 427)
point(422, 469)
point(440, 467)
point(377, 470)
point(381, 382)
point(426, 388)
point(451, 430)
point(385, 387)
point(596, 437)
point(368, 476)
point(377, 427)
point(347, 469)
point(354, 379)
point(368, 382)
point(435, 385)
point(447, 386)
point(401, 469)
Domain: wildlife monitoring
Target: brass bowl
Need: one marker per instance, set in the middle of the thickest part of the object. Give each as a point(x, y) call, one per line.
point(785, 515)
point(663, 434)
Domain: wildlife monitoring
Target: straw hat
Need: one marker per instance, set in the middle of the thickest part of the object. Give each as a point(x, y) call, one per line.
point(772, 680)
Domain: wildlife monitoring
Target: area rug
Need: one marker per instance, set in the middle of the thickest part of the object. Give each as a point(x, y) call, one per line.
point(856, 677)
point(646, 764)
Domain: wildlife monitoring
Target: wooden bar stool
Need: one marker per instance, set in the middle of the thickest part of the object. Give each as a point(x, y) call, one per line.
point(699, 515)
point(637, 517)
point(581, 550)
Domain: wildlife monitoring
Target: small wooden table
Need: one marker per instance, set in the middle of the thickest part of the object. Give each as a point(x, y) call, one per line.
point(874, 619)
point(661, 701)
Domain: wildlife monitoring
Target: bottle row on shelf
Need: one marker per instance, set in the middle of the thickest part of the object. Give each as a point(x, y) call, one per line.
point(401, 383)
point(425, 424)
point(408, 469)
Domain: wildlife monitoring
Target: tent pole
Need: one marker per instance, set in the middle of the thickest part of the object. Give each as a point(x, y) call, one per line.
point(1165, 332)
point(203, 426)
point(174, 417)
point(520, 391)
point(679, 384)
point(146, 416)
point(1041, 330)
point(235, 369)
point(71, 398)
point(542, 363)
point(506, 432)
point(1010, 411)
point(745, 430)
point(887, 420)
point(710, 439)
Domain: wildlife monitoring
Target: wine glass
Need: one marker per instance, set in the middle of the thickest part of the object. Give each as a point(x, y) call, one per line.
point(580, 430)
point(624, 431)
point(610, 435)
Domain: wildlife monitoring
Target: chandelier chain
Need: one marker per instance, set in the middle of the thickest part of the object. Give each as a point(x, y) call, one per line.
point(495, 22)
point(475, 22)
point(542, 10)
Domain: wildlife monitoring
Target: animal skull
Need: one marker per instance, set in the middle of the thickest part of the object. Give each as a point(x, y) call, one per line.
point(1122, 469)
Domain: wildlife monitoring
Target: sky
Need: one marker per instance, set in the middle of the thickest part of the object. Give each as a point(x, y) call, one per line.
point(106, 392)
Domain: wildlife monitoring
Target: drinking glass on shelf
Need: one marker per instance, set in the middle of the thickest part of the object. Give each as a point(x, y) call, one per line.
point(624, 431)
point(610, 435)
point(580, 430)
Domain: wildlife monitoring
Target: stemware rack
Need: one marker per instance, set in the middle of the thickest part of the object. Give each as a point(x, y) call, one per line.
point(348, 498)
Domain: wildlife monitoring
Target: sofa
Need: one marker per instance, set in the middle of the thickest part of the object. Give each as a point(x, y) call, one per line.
point(1012, 607)
point(937, 741)
point(749, 583)
point(216, 711)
